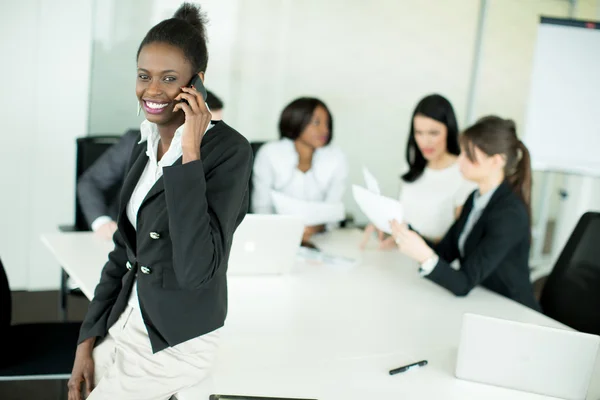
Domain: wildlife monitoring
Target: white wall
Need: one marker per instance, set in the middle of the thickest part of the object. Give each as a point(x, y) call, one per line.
point(18, 36)
point(119, 27)
point(369, 61)
point(45, 64)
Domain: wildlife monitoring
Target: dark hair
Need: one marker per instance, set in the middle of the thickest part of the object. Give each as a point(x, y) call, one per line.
point(296, 116)
point(436, 107)
point(214, 103)
point(185, 31)
point(494, 135)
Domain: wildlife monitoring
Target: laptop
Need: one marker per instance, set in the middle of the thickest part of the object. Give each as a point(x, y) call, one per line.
point(265, 244)
point(526, 357)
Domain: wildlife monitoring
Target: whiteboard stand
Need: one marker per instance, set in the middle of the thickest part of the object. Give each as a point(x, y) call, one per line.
point(581, 194)
point(561, 130)
point(539, 232)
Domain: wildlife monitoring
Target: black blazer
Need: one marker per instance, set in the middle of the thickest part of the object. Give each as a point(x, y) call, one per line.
point(496, 250)
point(98, 184)
point(180, 249)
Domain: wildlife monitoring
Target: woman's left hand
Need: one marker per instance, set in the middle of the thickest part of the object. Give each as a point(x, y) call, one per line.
point(197, 119)
point(309, 231)
point(410, 243)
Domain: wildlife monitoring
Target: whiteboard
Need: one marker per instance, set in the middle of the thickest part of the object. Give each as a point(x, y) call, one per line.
point(562, 129)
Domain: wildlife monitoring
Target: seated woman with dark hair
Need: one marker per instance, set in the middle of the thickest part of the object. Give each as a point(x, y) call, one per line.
point(302, 164)
point(433, 190)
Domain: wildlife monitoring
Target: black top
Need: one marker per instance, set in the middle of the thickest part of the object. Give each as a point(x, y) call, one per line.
point(496, 251)
point(183, 237)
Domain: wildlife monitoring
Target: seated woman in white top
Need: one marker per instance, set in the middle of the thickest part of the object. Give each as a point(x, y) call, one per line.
point(433, 190)
point(302, 164)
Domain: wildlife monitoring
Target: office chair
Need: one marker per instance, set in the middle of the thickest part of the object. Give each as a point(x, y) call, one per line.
point(255, 147)
point(571, 294)
point(89, 149)
point(38, 351)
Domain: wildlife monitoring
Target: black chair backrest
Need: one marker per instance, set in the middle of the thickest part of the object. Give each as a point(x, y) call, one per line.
point(5, 302)
point(89, 149)
point(571, 294)
point(255, 147)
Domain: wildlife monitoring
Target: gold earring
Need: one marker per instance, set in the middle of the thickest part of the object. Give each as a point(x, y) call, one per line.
point(139, 108)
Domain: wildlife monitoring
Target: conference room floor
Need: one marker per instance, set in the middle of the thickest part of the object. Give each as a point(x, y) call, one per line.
point(31, 307)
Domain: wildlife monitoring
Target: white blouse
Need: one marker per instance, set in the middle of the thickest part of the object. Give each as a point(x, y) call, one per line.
point(276, 168)
point(151, 174)
point(430, 202)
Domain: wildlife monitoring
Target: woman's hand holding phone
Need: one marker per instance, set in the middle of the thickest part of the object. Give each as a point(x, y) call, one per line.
point(197, 119)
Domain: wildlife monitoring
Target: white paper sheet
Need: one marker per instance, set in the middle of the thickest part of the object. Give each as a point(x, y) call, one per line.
point(313, 256)
point(370, 181)
point(311, 212)
point(379, 209)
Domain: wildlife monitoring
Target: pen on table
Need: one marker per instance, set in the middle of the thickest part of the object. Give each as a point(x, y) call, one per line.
point(407, 367)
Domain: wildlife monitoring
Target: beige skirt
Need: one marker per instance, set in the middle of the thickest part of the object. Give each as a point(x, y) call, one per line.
point(126, 368)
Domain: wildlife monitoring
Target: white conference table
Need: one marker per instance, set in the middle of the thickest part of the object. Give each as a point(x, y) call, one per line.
point(333, 332)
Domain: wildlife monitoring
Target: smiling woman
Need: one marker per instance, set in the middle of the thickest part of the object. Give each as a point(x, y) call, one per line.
point(162, 70)
point(152, 328)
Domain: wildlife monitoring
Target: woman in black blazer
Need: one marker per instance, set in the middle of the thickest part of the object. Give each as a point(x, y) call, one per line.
point(152, 328)
point(491, 238)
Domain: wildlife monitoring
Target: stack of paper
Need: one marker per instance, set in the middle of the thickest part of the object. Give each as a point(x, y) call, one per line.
point(311, 212)
point(379, 209)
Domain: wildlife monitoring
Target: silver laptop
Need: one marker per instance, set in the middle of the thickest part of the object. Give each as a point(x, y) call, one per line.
point(526, 357)
point(265, 244)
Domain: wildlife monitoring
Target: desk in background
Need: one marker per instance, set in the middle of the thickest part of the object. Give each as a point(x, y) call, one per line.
point(333, 332)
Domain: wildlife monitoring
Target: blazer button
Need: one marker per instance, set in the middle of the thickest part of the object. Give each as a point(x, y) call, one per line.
point(145, 270)
point(154, 235)
point(128, 265)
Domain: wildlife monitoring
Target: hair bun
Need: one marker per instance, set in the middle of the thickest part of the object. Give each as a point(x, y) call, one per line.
point(511, 125)
point(193, 15)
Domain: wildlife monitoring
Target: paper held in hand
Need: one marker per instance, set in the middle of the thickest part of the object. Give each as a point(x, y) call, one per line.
point(312, 212)
point(380, 210)
point(371, 181)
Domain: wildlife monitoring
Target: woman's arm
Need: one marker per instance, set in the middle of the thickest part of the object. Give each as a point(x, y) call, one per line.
point(204, 207)
point(96, 182)
point(262, 183)
point(204, 211)
point(336, 190)
point(461, 196)
point(106, 292)
point(447, 246)
point(503, 231)
point(339, 181)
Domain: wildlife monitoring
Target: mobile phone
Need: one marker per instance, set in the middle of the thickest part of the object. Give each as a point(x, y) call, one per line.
point(197, 83)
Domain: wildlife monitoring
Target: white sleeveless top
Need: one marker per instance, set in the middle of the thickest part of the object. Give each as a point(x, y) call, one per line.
point(430, 201)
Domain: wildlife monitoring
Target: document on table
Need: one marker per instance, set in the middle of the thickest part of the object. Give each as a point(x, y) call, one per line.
point(379, 209)
point(318, 257)
point(311, 212)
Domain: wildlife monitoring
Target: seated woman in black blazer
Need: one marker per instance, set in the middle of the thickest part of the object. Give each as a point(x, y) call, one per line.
point(491, 238)
point(152, 328)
